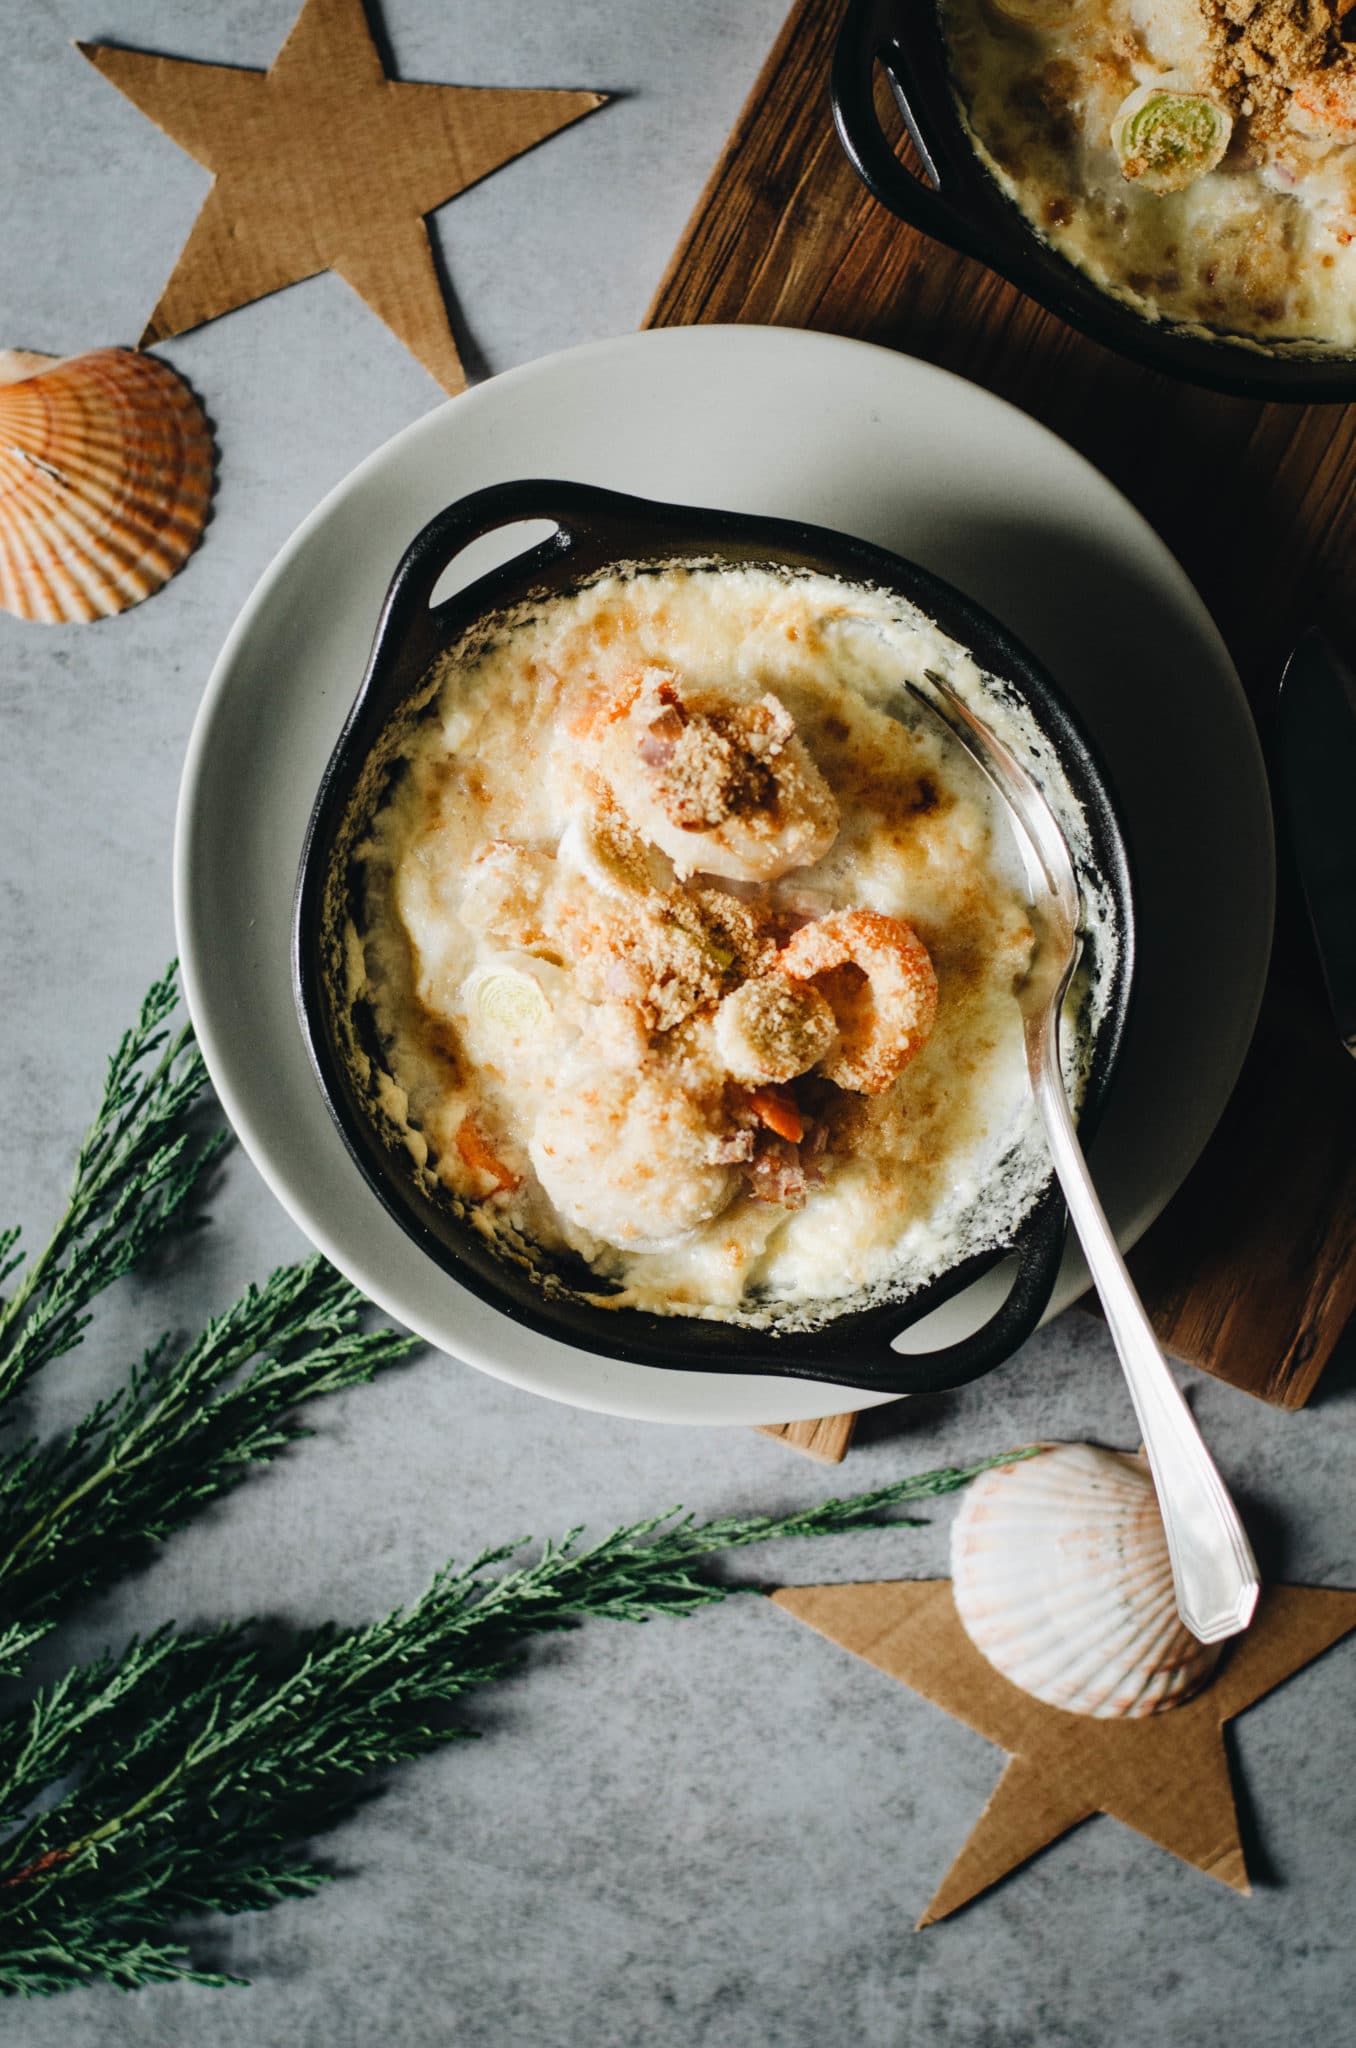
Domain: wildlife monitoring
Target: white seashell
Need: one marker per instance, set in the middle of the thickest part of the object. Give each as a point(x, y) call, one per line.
point(105, 478)
point(1061, 1578)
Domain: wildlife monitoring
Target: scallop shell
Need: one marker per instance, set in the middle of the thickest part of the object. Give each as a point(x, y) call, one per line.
point(1061, 1578)
point(105, 477)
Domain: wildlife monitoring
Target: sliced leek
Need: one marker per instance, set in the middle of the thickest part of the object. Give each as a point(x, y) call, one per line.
point(507, 1002)
point(1165, 139)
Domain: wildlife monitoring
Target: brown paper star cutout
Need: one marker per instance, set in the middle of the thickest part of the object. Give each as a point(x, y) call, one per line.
point(1167, 1776)
point(325, 163)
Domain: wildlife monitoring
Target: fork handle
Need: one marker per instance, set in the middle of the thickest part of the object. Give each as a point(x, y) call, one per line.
point(1213, 1568)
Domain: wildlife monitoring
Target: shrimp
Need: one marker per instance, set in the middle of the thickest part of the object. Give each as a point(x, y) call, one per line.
point(1324, 103)
point(634, 1159)
point(723, 787)
point(883, 1021)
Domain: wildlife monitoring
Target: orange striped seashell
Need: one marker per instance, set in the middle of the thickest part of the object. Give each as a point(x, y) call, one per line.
point(105, 477)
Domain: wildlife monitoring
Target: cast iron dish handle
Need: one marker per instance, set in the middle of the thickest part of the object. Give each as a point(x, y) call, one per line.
point(869, 34)
point(1039, 1247)
point(596, 528)
point(411, 631)
point(593, 528)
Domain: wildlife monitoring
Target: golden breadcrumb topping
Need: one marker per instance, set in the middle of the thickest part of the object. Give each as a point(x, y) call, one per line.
point(772, 1028)
point(1261, 49)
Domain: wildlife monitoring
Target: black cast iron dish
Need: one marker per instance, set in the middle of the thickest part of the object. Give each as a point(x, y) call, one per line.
point(598, 530)
point(964, 207)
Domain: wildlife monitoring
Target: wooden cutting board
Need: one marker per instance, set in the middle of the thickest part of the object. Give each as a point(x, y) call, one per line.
point(1251, 1271)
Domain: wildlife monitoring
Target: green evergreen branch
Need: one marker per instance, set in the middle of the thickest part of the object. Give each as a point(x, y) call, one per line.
point(204, 1763)
point(84, 1508)
point(134, 1174)
point(78, 1513)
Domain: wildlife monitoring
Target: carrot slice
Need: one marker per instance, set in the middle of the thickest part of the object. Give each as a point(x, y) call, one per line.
point(777, 1109)
point(481, 1157)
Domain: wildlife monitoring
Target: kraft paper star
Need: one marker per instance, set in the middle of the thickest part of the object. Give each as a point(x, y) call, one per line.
point(1167, 1776)
point(325, 163)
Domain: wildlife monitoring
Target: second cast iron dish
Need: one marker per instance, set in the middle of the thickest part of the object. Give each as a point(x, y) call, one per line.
point(959, 203)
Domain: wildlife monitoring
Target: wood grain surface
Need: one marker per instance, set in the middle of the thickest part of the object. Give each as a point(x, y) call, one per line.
point(1251, 1271)
point(828, 1439)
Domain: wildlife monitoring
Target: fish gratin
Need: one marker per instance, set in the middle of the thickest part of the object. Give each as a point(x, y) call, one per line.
point(689, 941)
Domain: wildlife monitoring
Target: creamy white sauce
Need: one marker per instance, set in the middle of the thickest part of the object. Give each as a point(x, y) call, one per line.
point(481, 876)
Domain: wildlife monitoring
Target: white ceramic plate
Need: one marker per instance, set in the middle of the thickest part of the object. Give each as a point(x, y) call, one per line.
point(804, 426)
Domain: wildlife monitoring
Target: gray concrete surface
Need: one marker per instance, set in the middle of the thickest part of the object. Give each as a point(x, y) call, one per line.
point(714, 1834)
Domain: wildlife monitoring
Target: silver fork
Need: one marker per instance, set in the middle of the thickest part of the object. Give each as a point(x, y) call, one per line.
point(1213, 1568)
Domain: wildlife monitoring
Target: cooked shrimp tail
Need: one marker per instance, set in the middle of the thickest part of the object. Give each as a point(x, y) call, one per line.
point(885, 1011)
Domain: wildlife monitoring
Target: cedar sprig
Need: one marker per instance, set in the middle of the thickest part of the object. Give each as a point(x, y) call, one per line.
point(80, 1511)
point(83, 1508)
point(138, 1166)
point(198, 1767)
